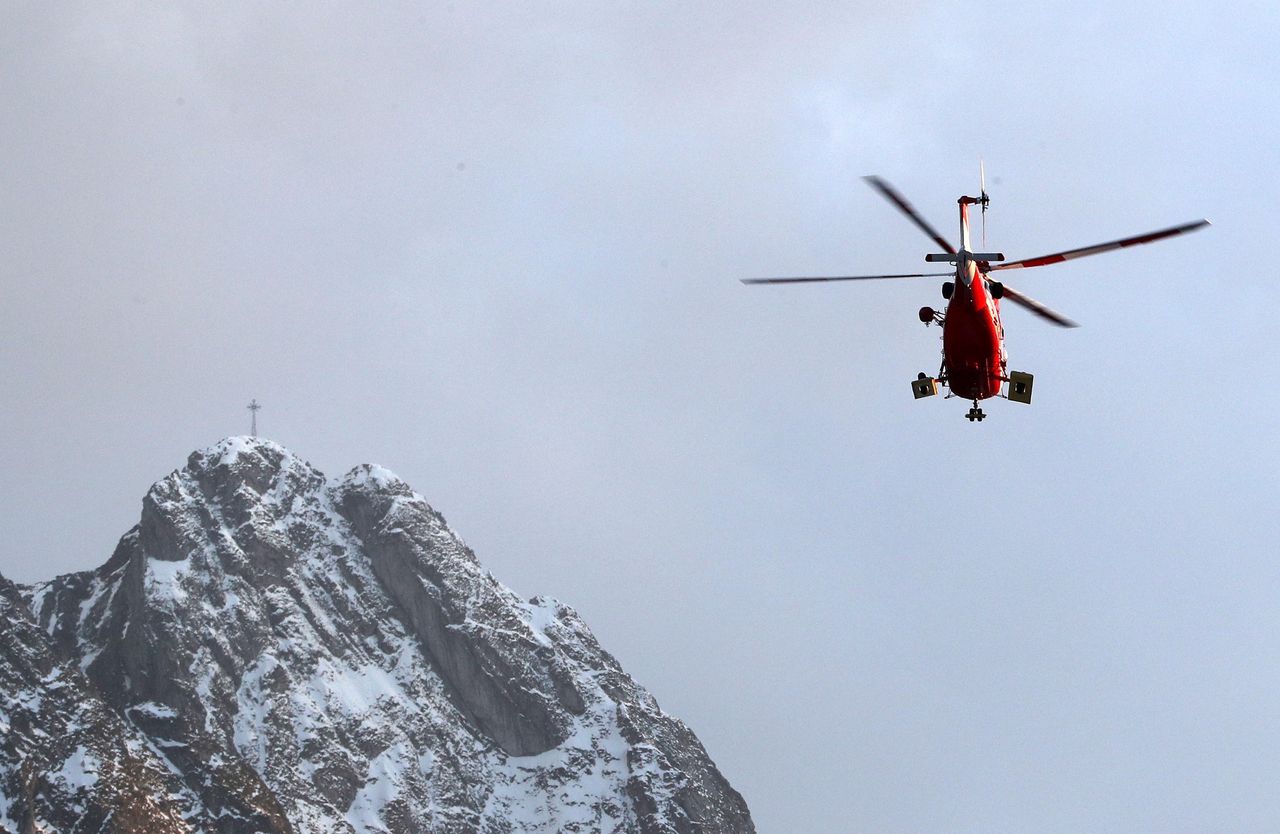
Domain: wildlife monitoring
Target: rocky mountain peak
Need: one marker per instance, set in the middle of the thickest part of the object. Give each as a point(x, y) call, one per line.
point(315, 655)
point(240, 482)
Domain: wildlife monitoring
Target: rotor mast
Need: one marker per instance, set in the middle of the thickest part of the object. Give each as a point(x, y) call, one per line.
point(966, 256)
point(965, 202)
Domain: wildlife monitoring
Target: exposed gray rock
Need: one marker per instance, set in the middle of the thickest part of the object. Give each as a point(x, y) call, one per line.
point(67, 761)
point(294, 654)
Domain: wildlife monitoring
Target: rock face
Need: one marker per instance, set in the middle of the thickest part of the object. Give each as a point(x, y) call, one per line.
point(270, 651)
point(67, 761)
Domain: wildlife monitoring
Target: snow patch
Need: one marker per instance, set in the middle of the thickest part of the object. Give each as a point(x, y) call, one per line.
point(156, 710)
point(164, 579)
point(89, 656)
point(80, 770)
point(372, 475)
point(540, 614)
point(38, 594)
point(226, 451)
point(381, 787)
point(578, 786)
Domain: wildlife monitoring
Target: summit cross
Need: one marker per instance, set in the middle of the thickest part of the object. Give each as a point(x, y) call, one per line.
point(253, 421)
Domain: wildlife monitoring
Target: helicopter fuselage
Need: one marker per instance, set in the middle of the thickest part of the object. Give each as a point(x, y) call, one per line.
point(972, 335)
point(973, 339)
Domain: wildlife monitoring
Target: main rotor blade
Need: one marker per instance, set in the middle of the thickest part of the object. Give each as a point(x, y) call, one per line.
point(815, 279)
point(1072, 254)
point(887, 191)
point(1010, 294)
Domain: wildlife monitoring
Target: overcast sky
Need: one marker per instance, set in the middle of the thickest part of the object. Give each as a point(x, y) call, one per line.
point(496, 248)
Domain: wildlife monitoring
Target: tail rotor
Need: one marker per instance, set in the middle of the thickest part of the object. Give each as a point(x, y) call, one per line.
point(984, 200)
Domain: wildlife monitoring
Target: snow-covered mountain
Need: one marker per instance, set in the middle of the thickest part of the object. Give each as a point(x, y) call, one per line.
point(271, 651)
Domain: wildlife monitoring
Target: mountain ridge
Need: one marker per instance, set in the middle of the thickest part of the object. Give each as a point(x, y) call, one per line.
point(307, 654)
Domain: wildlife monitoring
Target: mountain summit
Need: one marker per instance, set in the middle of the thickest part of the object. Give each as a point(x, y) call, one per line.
point(272, 651)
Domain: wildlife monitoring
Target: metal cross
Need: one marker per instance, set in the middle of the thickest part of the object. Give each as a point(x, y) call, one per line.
point(253, 425)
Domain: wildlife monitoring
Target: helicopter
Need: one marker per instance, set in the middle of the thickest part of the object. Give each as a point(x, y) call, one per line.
point(974, 364)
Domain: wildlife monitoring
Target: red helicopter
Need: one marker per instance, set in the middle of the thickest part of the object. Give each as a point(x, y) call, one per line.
point(974, 365)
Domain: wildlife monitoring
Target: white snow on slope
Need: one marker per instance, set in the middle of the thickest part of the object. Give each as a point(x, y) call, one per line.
point(80, 769)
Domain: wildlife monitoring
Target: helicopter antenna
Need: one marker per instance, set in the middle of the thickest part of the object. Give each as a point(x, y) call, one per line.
point(984, 200)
